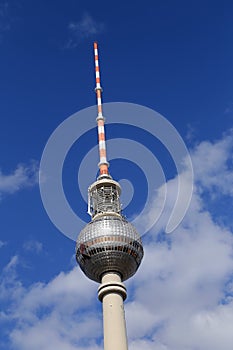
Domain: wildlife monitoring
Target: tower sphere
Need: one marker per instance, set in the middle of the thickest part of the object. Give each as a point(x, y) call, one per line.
point(109, 243)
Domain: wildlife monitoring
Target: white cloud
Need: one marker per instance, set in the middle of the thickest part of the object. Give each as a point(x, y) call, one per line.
point(180, 290)
point(180, 299)
point(213, 164)
point(181, 281)
point(22, 177)
point(213, 174)
point(85, 28)
point(53, 315)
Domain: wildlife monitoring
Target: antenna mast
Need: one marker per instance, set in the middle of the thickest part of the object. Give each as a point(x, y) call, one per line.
point(103, 164)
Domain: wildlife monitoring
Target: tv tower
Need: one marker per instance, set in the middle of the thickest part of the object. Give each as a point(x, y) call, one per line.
point(108, 249)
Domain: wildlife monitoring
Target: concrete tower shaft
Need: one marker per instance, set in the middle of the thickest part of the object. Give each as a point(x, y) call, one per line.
point(112, 294)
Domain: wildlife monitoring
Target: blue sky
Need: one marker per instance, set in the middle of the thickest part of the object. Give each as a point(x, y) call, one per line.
point(173, 57)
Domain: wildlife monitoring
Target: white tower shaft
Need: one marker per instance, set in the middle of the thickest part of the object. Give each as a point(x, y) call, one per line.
point(112, 293)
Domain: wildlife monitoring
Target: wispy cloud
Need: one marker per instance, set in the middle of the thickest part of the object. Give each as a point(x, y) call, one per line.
point(2, 244)
point(86, 28)
point(22, 177)
point(229, 109)
point(33, 246)
point(191, 133)
point(5, 22)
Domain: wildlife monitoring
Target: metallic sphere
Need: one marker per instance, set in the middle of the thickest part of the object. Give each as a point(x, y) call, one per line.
point(109, 243)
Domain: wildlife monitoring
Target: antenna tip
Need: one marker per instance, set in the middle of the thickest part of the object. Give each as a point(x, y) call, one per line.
point(95, 45)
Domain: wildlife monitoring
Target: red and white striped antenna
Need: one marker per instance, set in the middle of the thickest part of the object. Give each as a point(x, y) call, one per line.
point(103, 164)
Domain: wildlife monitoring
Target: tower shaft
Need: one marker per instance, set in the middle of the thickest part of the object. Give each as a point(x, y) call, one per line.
point(112, 293)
